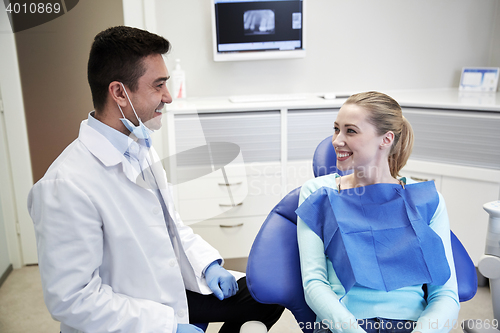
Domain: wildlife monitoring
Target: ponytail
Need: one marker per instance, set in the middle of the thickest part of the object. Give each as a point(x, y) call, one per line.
point(401, 149)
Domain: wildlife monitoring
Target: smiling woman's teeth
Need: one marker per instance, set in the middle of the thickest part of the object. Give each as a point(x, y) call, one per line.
point(343, 155)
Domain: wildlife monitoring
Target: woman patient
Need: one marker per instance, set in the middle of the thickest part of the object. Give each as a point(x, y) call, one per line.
point(369, 241)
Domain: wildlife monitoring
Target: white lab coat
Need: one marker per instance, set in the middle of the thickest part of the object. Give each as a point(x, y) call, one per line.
point(105, 256)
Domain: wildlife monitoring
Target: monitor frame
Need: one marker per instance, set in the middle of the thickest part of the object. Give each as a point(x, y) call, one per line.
point(257, 55)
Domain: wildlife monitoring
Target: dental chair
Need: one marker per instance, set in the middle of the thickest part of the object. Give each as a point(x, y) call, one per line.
point(273, 268)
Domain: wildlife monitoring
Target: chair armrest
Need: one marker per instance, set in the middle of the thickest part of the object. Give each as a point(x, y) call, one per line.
point(465, 269)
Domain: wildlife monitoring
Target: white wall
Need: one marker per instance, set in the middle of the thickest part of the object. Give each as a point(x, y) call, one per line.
point(495, 40)
point(7, 214)
point(16, 178)
point(351, 46)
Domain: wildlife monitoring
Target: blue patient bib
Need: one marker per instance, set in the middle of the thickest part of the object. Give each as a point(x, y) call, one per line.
point(379, 236)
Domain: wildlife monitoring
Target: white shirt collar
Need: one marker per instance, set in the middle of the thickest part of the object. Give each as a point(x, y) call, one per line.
point(123, 143)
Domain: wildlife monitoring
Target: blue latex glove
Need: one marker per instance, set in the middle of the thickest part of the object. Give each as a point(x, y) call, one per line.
point(221, 282)
point(188, 328)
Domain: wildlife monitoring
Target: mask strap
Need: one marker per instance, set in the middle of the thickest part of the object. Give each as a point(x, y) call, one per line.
point(120, 110)
point(133, 109)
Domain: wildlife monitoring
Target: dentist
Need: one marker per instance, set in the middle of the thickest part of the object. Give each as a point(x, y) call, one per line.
point(114, 255)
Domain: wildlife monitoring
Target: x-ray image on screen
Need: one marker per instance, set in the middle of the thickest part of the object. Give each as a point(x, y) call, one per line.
point(258, 29)
point(259, 22)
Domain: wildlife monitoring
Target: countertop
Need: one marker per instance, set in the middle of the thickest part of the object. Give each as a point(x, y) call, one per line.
point(450, 98)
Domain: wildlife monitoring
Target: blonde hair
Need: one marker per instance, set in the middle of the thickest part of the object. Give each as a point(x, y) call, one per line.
point(386, 115)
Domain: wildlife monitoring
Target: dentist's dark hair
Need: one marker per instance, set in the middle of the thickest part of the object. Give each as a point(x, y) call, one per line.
point(117, 54)
point(386, 115)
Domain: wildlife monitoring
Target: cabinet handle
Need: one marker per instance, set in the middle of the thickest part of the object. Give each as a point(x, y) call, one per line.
point(231, 205)
point(230, 184)
point(231, 226)
point(420, 179)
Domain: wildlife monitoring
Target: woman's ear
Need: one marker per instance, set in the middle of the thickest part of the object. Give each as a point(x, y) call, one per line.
point(116, 92)
point(387, 140)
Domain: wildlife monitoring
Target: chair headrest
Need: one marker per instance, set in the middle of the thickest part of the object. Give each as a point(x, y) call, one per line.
point(287, 206)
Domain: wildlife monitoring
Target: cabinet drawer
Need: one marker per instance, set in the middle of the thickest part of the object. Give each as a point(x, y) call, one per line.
point(196, 210)
point(254, 179)
point(440, 137)
point(306, 129)
point(257, 133)
point(213, 188)
point(233, 238)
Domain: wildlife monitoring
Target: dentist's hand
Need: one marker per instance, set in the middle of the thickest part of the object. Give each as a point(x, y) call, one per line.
point(221, 282)
point(188, 328)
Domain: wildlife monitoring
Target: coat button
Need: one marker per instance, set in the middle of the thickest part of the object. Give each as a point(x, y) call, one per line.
point(172, 262)
point(181, 313)
point(156, 210)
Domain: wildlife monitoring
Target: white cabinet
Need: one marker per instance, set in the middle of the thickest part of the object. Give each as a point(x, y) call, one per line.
point(229, 216)
point(457, 137)
point(226, 203)
point(465, 199)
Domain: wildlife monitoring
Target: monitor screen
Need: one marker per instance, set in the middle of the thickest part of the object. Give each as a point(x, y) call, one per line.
point(257, 29)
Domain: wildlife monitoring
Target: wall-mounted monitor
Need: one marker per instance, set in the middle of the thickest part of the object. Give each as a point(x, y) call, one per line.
point(258, 29)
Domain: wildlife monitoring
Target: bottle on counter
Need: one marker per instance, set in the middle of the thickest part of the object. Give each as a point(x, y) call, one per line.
point(178, 81)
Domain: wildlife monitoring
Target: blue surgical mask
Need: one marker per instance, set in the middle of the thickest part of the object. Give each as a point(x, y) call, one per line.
point(141, 131)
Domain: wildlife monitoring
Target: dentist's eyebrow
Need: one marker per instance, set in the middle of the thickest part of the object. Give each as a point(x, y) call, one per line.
point(160, 79)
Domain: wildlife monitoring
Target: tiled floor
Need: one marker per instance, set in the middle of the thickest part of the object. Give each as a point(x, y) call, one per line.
point(22, 309)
